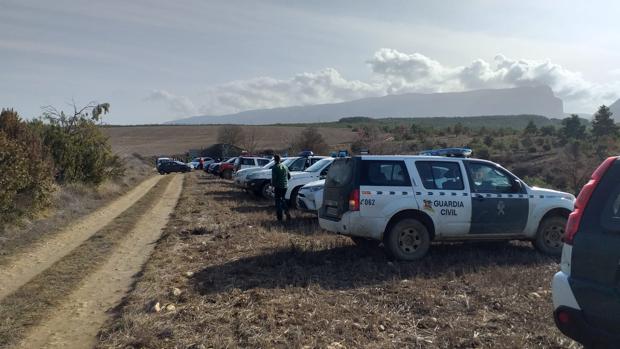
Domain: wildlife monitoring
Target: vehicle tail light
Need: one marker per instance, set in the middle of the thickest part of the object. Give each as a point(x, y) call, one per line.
point(564, 317)
point(354, 200)
point(574, 220)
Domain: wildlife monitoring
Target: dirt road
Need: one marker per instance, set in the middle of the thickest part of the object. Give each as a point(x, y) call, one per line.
point(61, 301)
point(33, 261)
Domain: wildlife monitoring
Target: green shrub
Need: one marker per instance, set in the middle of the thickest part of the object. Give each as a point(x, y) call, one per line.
point(25, 170)
point(80, 151)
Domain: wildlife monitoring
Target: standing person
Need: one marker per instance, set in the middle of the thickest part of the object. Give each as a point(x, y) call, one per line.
point(279, 181)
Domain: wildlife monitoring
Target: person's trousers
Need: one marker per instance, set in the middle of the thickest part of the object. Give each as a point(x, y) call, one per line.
point(280, 202)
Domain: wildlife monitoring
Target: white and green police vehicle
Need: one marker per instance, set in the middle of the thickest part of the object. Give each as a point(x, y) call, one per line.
point(408, 201)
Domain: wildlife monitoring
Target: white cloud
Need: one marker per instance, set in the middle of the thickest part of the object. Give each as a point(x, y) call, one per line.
point(324, 86)
point(180, 105)
point(395, 72)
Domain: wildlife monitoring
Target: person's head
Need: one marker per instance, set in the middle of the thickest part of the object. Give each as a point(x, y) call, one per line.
point(478, 173)
point(276, 158)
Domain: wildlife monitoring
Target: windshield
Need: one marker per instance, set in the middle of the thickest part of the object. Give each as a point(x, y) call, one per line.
point(319, 165)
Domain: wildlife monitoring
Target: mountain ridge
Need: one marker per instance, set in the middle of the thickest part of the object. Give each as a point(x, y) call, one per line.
point(538, 100)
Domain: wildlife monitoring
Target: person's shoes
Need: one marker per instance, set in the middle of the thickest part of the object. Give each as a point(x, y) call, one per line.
point(288, 216)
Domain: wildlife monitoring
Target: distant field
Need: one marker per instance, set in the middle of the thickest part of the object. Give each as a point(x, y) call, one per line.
point(173, 139)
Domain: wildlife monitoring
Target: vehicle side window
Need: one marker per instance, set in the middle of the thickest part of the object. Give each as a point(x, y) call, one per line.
point(297, 165)
point(263, 162)
point(246, 161)
point(440, 175)
point(384, 173)
point(610, 219)
point(485, 178)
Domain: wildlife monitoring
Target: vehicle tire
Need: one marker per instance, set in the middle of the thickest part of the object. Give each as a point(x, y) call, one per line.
point(293, 200)
point(264, 191)
point(162, 172)
point(365, 243)
point(408, 240)
point(549, 235)
point(227, 174)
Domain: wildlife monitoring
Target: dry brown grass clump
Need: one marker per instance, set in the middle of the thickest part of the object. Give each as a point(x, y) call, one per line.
point(70, 202)
point(246, 281)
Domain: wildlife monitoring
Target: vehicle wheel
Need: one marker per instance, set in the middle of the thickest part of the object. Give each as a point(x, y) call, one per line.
point(365, 243)
point(162, 172)
point(549, 235)
point(264, 191)
point(227, 174)
point(293, 199)
point(408, 240)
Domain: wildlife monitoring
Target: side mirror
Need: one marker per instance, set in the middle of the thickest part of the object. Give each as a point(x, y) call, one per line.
point(517, 186)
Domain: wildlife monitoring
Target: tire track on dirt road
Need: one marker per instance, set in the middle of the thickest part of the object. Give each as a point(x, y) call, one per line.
point(76, 322)
point(31, 262)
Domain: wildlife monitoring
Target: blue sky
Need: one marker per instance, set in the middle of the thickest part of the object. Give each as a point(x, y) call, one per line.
point(155, 61)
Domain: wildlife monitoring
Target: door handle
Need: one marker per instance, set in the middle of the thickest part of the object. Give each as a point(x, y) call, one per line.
point(479, 197)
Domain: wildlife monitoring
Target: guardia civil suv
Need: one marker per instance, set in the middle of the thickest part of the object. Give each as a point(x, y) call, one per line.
point(586, 290)
point(408, 201)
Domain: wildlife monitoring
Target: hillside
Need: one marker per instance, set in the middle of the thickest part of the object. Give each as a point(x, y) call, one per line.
point(615, 108)
point(512, 101)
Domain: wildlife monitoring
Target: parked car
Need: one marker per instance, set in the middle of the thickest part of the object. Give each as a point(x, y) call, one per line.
point(173, 166)
point(408, 201)
point(586, 290)
point(310, 196)
point(259, 181)
point(301, 178)
point(240, 177)
point(161, 160)
point(244, 162)
point(226, 168)
point(195, 163)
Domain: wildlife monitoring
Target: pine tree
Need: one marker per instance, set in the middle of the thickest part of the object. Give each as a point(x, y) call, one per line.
point(572, 128)
point(603, 125)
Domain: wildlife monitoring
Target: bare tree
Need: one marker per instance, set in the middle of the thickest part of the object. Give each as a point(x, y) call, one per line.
point(230, 134)
point(251, 139)
point(311, 139)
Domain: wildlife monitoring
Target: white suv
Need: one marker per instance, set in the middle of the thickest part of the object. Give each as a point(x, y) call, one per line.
point(300, 178)
point(259, 181)
point(244, 162)
point(408, 201)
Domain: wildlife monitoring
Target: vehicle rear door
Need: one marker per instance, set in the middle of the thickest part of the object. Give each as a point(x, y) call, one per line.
point(595, 262)
point(499, 203)
point(341, 180)
point(444, 195)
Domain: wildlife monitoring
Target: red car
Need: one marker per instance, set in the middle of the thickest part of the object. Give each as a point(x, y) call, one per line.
point(226, 168)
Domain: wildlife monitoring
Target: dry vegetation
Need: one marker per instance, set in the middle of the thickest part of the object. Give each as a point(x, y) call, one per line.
point(32, 302)
point(178, 139)
point(70, 202)
point(246, 281)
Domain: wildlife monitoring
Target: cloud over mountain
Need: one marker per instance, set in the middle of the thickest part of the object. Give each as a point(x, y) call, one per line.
point(393, 72)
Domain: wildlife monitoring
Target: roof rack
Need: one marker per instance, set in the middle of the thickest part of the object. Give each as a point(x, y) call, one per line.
point(448, 152)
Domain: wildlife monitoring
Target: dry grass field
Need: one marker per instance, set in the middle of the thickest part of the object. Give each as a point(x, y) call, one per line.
point(169, 139)
point(225, 275)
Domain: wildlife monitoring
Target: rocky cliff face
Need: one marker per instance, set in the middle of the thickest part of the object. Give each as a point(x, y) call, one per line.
point(538, 100)
point(615, 108)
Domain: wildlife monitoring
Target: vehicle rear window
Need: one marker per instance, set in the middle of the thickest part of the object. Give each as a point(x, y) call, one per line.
point(247, 161)
point(384, 173)
point(340, 173)
point(440, 175)
point(610, 218)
